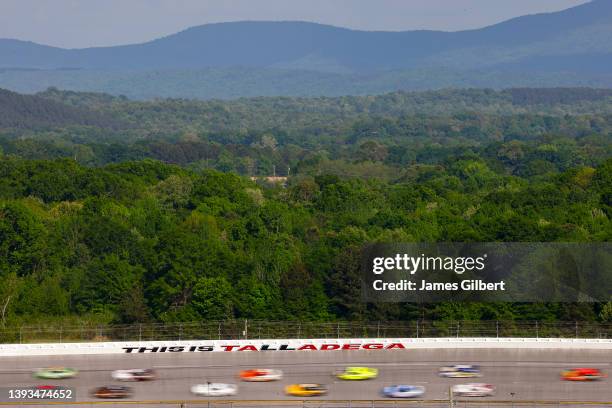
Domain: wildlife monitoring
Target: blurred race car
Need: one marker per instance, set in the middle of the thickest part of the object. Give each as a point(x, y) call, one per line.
point(582, 374)
point(136, 374)
point(357, 373)
point(261, 375)
point(112, 391)
point(460, 371)
point(214, 390)
point(305, 390)
point(55, 373)
point(473, 390)
point(404, 391)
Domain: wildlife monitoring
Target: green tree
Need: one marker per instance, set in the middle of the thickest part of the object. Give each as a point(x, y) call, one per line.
point(212, 298)
point(606, 312)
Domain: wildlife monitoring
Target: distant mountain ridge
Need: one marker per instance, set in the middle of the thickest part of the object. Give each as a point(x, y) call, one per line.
point(576, 42)
point(269, 44)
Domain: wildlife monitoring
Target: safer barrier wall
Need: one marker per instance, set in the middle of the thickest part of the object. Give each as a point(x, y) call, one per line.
point(295, 345)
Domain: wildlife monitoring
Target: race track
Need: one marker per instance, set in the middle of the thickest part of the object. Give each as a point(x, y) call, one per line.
point(518, 374)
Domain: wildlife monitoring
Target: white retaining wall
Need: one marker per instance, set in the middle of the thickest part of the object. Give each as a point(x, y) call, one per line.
point(294, 345)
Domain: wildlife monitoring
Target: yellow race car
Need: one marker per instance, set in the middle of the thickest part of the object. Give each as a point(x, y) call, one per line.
point(357, 373)
point(305, 390)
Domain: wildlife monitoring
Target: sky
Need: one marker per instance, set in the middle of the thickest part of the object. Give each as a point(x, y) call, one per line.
point(87, 23)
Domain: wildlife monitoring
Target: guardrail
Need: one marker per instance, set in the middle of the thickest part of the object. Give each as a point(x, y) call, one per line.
point(258, 329)
point(319, 403)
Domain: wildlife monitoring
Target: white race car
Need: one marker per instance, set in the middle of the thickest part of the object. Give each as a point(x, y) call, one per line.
point(261, 375)
point(404, 391)
point(473, 390)
point(460, 371)
point(136, 374)
point(214, 390)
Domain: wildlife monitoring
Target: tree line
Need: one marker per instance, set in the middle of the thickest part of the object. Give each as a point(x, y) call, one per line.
point(147, 241)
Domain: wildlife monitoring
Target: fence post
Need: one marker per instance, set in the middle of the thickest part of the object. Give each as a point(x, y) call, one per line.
point(497, 328)
point(20, 334)
point(378, 330)
point(417, 324)
point(140, 332)
point(576, 328)
point(537, 330)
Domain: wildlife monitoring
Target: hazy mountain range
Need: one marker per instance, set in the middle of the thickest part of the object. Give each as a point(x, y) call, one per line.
point(568, 48)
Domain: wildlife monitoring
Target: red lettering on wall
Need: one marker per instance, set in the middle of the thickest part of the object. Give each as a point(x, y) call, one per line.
point(248, 348)
point(395, 345)
point(373, 346)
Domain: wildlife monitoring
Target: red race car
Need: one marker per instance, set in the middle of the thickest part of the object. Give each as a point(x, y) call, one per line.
point(582, 374)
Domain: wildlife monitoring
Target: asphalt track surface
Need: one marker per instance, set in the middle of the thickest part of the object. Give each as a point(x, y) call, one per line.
point(518, 374)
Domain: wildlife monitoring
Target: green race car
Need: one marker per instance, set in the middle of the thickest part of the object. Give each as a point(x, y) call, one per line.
point(55, 373)
point(357, 373)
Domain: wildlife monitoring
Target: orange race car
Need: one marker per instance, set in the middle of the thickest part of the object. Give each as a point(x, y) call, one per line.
point(261, 375)
point(582, 374)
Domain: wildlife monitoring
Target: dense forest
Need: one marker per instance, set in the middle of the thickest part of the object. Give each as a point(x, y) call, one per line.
point(148, 215)
point(32, 112)
point(376, 136)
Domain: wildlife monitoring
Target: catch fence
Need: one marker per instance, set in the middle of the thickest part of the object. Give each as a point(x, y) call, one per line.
point(257, 329)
